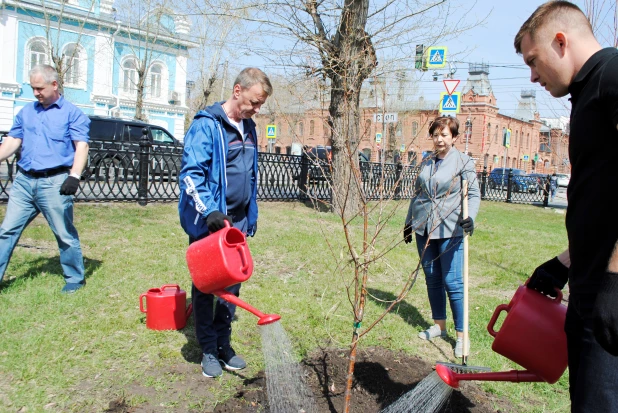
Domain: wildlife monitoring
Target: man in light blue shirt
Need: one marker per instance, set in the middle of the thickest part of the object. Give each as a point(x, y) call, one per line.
point(53, 136)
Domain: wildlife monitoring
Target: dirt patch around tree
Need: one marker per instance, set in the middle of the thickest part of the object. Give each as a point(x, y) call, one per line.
point(380, 378)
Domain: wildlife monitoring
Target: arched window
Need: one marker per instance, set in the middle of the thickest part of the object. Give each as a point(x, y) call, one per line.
point(496, 135)
point(527, 140)
point(36, 54)
point(129, 76)
point(414, 129)
point(398, 129)
point(311, 128)
point(156, 73)
point(75, 64)
point(301, 129)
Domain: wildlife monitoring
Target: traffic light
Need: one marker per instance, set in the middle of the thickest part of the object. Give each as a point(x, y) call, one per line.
point(507, 138)
point(418, 58)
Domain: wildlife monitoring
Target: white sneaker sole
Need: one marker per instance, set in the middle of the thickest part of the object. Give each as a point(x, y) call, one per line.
point(230, 368)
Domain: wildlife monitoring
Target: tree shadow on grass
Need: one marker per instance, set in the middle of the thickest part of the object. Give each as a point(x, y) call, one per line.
point(49, 265)
point(406, 311)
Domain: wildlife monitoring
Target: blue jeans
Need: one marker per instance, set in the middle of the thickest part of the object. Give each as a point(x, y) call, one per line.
point(29, 197)
point(593, 372)
point(442, 263)
point(213, 320)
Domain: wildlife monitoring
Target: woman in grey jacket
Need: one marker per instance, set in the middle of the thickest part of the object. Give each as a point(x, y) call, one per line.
point(435, 216)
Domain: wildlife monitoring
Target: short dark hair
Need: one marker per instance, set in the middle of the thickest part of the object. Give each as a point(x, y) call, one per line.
point(442, 122)
point(251, 76)
point(546, 12)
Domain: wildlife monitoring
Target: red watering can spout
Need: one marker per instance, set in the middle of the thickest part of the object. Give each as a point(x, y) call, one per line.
point(532, 335)
point(263, 318)
point(516, 376)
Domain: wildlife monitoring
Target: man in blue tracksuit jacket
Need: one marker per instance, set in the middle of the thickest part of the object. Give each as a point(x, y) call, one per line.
point(218, 183)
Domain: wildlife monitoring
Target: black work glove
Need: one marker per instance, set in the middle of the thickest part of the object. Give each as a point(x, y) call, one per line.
point(467, 225)
point(549, 276)
point(216, 221)
point(407, 233)
point(605, 314)
point(69, 186)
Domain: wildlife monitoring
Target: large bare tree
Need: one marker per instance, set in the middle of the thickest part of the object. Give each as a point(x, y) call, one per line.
point(343, 43)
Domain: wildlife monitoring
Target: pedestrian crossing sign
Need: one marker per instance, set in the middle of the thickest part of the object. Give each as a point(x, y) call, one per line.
point(436, 57)
point(450, 103)
point(271, 131)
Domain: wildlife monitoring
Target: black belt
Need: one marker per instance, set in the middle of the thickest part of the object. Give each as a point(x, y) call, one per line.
point(46, 173)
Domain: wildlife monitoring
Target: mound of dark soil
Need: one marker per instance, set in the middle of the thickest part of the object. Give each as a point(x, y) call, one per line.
point(380, 378)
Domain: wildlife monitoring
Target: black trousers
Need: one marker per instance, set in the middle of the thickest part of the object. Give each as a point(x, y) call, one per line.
point(213, 319)
point(593, 372)
point(213, 316)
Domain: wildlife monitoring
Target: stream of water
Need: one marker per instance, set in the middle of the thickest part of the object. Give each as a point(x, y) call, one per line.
point(429, 396)
point(285, 382)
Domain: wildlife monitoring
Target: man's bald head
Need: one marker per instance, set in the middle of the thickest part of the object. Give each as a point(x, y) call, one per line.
point(554, 16)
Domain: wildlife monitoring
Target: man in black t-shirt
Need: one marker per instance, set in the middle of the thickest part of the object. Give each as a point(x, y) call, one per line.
point(558, 45)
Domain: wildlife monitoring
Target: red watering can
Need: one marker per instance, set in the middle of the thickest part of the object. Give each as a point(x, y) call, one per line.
point(532, 335)
point(165, 308)
point(221, 260)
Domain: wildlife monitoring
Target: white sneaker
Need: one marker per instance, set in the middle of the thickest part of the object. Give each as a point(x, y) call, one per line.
point(459, 347)
point(432, 332)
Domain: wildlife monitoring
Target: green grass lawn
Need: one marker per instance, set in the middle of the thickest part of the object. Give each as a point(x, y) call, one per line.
point(78, 352)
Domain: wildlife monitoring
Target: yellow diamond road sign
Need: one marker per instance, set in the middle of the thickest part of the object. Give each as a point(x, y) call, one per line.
point(436, 57)
point(271, 131)
point(450, 103)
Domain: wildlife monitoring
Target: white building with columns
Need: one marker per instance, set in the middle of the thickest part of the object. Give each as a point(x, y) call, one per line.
point(100, 56)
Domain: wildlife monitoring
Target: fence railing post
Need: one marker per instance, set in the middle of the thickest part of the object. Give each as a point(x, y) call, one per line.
point(509, 192)
point(144, 166)
point(302, 179)
point(483, 182)
point(398, 183)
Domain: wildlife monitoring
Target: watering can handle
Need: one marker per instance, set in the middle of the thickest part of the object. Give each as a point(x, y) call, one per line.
point(141, 303)
point(226, 223)
point(243, 257)
point(176, 286)
point(494, 318)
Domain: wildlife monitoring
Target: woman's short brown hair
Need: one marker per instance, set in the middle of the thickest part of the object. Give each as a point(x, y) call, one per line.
point(442, 122)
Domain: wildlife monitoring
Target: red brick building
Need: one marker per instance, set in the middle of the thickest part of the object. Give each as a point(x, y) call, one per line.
point(533, 145)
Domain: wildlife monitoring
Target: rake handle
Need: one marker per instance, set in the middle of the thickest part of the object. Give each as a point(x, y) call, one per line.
point(464, 208)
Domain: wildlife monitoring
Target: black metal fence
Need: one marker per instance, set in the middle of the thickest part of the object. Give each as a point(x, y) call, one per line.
point(150, 173)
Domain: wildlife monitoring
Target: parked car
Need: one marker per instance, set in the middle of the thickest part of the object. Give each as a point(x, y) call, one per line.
point(321, 158)
point(563, 180)
point(520, 182)
point(115, 143)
